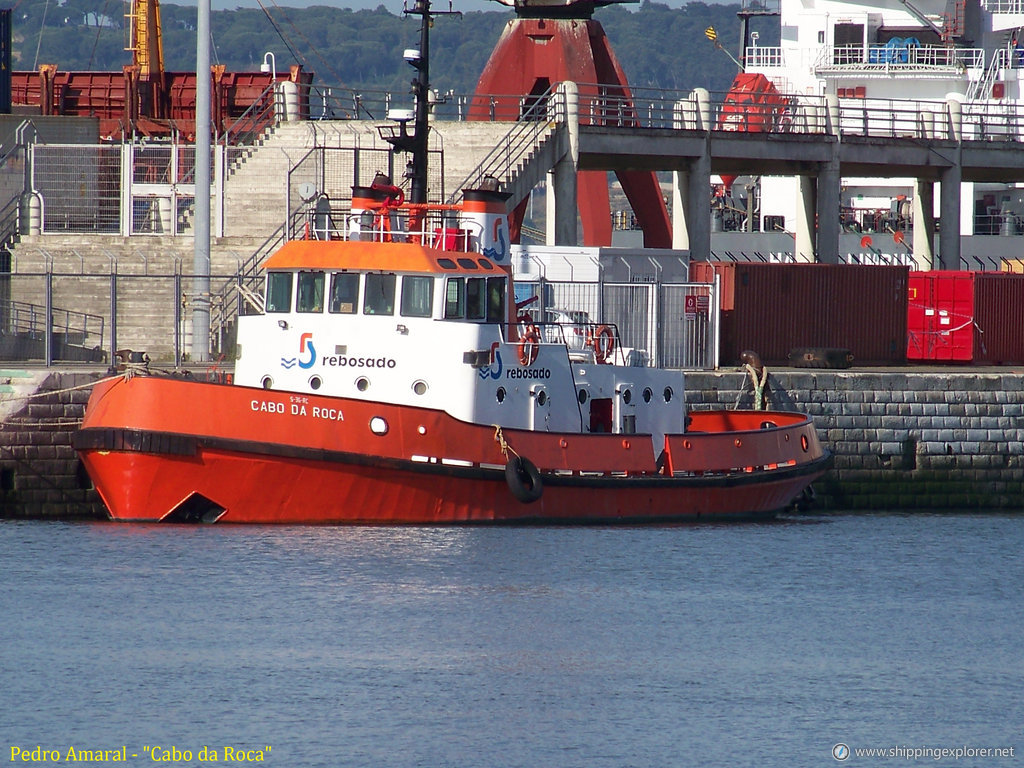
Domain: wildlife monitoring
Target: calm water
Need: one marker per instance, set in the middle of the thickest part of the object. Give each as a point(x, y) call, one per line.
point(749, 645)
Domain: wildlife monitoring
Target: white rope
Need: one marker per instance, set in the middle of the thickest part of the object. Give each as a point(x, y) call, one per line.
point(758, 385)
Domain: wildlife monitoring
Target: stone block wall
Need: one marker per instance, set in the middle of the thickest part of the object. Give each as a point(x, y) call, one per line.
point(40, 474)
point(946, 440)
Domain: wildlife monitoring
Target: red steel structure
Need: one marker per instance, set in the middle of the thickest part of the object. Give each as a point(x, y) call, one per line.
point(550, 43)
point(125, 103)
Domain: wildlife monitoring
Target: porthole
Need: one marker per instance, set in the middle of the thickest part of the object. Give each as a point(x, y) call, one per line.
point(315, 382)
point(378, 425)
point(804, 444)
point(627, 396)
point(648, 394)
point(542, 397)
point(667, 394)
point(499, 395)
point(419, 387)
point(267, 382)
point(582, 396)
point(362, 383)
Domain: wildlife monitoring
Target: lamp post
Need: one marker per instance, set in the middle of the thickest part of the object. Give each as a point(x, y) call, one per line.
point(201, 230)
point(269, 65)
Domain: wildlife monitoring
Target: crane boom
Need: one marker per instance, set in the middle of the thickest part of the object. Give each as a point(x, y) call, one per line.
point(145, 41)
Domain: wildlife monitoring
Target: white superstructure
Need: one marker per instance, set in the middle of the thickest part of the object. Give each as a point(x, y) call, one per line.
point(882, 52)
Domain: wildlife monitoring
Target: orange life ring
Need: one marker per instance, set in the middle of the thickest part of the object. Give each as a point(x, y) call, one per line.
point(604, 343)
point(529, 346)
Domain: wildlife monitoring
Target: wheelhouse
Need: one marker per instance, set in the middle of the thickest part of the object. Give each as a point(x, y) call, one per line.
point(352, 278)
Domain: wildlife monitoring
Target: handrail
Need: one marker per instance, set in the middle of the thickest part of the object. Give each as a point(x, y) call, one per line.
point(527, 133)
point(220, 300)
point(634, 107)
point(10, 222)
point(25, 317)
point(253, 121)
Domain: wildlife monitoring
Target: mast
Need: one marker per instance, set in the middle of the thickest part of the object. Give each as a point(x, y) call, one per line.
point(419, 59)
point(421, 90)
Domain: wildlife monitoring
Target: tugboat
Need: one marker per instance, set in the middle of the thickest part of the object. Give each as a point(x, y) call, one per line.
point(387, 375)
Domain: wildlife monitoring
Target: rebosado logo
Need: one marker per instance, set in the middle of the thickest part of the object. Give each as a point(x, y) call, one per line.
point(305, 347)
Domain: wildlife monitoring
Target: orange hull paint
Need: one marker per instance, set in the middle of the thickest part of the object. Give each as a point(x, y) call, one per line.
point(172, 449)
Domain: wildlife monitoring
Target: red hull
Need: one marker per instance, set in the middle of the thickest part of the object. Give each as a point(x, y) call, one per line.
point(163, 449)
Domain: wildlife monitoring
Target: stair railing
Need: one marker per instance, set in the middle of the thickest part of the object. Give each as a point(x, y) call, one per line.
point(982, 87)
point(252, 123)
point(531, 130)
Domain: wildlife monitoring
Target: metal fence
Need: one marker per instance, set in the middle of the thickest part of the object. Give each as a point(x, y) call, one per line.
point(326, 174)
point(659, 324)
point(133, 189)
point(112, 312)
point(665, 325)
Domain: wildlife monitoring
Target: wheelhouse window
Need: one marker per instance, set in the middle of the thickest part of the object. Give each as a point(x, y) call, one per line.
point(417, 296)
point(379, 295)
point(279, 292)
point(344, 293)
point(496, 299)
point(476, 298)
point(311, 292)
point(455, 298)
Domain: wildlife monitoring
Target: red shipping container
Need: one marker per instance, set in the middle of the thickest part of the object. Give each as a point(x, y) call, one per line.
point(774, 308)
point(970, 317)
point(940, 316)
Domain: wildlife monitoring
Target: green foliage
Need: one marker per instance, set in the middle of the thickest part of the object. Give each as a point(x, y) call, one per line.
point(657, 46)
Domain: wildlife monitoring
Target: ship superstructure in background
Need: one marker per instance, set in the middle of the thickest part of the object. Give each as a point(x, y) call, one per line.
point(870, 53)
point(144, 99)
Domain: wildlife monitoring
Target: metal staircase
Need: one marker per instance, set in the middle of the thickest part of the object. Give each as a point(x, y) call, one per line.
point(982, 88)
point(526, 153)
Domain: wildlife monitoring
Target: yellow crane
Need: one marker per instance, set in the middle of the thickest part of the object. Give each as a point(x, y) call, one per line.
point(144, 38)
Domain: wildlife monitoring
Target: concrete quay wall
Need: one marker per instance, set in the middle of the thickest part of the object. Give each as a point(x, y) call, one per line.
point(936, 440)
point(946, 441)
point(40, 474)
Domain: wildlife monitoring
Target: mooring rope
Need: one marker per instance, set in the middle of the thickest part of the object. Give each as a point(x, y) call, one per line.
point(61, 421)
point(759, 404)
point(499, 438)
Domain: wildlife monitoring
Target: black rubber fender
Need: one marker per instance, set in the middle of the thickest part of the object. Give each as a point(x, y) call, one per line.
point(820, 357)
point(523, 479)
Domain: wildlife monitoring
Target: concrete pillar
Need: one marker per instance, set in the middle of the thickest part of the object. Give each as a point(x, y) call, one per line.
point(827, 207)
point(803, 228)
point(680, 204)
point(691, 189)
point(562, 189)
point(550, 215)
point(949, 215)
point(832, 115)
point(949, 192)
point(698, 207)
point(683, 117)
point(924, 224)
